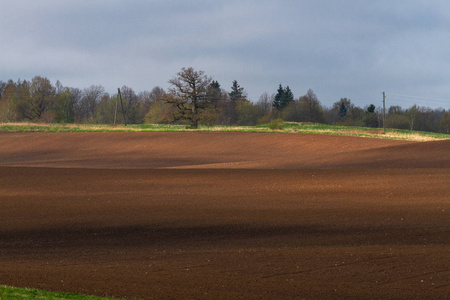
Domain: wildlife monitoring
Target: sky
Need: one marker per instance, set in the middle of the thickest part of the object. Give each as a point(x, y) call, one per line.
point(344, 48)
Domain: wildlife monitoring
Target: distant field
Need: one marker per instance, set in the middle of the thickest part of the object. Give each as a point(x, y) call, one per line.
point(288, 127)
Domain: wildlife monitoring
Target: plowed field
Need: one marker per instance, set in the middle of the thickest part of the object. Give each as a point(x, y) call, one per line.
point(225, 215)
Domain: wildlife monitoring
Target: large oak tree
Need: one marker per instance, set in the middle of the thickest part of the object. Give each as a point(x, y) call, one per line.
point(190, 95)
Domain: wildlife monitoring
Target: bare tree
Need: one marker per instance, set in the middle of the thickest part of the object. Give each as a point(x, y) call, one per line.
point(8, 111)
point(104, 112)
point(413, 114)
point(264, 106)
point(147, 99)
point(162, 111)
point(59, 87)
point(88, 103)
point(311, 109)
point(445, 122)
point(190, 91)
point(36, 98)
point(64, 107)
point(130, 105)
point(2, 87)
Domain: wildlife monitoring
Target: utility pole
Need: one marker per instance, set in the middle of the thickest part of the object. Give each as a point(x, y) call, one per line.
point(121, 104)
point(384, 112)
point(115, 112)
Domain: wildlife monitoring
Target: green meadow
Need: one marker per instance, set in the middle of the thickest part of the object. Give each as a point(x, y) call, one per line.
point(285, 127)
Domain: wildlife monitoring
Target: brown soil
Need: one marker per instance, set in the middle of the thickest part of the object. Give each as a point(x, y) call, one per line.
point(225, 215)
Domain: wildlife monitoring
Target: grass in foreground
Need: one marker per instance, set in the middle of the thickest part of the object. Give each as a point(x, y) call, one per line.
point(288, 127)
point(7, 292)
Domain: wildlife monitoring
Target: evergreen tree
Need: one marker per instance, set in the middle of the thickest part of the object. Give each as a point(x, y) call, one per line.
point(237, 92)
point(214, 92)
point(277, 100)
point(342, 110)
point(283, 97)
point(215, 84)
point(371, 108)
point(370, 118)
point(287, 98)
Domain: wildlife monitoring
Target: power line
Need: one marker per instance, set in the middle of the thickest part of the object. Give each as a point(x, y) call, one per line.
point(417, 101)
point(408, 96)
point(406, 100)
point(428, 99)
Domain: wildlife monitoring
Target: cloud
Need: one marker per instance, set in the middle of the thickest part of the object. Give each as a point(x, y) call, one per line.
point(348, 48)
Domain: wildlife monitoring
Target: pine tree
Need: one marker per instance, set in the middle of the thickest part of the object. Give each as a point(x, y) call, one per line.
point(287, 97)
point(278, 97)
point(371, 108)
point(342, 110)
point(236, 92)
point(215, 84)
point(283, 97)
point(214, 92)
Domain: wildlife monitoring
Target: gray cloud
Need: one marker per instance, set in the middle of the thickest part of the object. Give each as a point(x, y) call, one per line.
point(349, 48)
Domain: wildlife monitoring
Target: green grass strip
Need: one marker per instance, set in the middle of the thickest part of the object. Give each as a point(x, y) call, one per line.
point(7, 292)
point(287, 127)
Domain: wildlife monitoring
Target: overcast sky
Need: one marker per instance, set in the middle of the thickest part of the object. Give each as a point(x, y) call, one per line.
point(344, 48)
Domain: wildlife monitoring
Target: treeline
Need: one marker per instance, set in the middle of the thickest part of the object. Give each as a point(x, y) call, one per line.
point(195, 99)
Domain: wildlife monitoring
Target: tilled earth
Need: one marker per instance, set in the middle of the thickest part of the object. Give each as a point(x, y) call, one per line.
point(225, 215)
